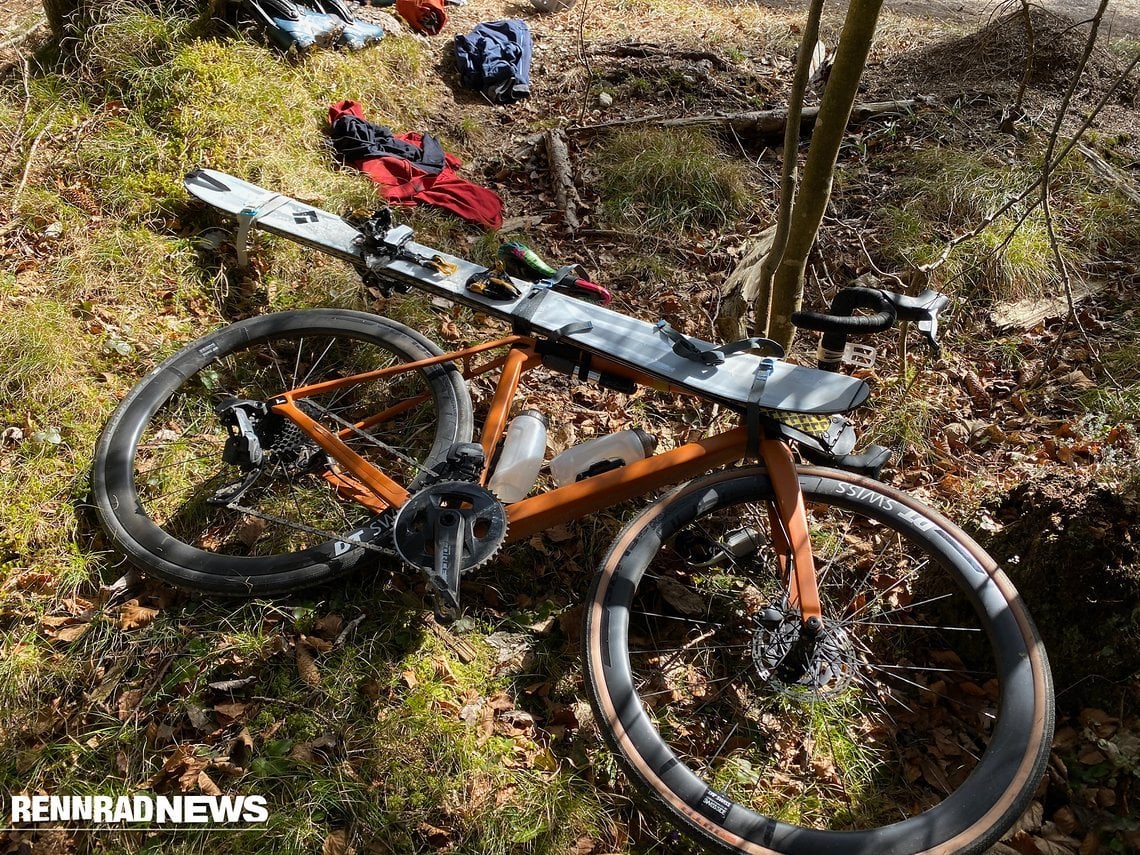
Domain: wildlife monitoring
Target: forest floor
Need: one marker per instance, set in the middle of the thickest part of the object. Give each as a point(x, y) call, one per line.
point(1027, 433)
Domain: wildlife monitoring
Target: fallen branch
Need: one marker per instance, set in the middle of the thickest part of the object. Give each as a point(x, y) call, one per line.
point(15, 43)
point(28, 166)
point(626, 237)
point(761, 123)
point(18, 40)
point(1028, 313)
point(562, 175)
point(648, 50)
point(1119, 179)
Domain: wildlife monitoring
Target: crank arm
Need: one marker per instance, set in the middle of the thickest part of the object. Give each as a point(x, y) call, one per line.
point(450, 536)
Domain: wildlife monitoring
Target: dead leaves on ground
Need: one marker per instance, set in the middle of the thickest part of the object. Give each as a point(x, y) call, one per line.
point(305, 654)
point(188, 770)
point(1006, 413)
point(133, 615)
point(193, 700)
point(81, 614)
point(497, 715)
point(1085, 804)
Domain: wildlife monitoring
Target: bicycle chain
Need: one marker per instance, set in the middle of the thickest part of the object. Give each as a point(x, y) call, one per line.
point(435, 476)
point(234, 506)
point(377, 442)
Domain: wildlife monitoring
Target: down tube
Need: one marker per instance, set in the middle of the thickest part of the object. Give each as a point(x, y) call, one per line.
point(620, 485)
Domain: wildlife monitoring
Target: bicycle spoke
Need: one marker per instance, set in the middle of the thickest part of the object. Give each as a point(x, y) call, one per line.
point(701, 677)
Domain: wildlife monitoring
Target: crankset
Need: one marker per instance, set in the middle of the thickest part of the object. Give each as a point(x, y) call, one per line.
point(448, 529)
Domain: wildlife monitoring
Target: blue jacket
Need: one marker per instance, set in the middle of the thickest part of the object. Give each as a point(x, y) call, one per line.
point(494, 58)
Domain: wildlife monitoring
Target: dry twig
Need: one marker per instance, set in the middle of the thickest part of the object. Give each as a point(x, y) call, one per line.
point(995, 215)
point(28, 164)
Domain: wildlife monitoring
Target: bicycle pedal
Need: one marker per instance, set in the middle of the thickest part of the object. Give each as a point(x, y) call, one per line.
point(860, 355)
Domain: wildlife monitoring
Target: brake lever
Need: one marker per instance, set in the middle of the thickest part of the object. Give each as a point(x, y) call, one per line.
point(923, 310)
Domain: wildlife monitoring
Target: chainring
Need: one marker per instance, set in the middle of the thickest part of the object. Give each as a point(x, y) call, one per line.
point(483, 515)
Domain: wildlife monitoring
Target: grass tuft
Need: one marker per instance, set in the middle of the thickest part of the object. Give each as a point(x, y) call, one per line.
point(671, 181)
point(126, 52)
point(945, 191)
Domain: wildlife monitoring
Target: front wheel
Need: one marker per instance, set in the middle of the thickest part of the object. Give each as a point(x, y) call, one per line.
point(918, 720)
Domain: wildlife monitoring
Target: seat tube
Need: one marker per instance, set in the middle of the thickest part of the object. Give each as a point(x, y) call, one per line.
point(500, 408)
point(803, 591)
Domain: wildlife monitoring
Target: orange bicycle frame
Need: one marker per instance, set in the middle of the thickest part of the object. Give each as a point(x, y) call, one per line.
point(362, 482)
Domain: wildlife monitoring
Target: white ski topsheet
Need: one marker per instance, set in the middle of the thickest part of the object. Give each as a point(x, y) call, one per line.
point(634, 342)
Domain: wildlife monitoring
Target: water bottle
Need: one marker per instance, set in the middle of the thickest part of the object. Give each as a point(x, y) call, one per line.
point(600, 455)
point(521, 457)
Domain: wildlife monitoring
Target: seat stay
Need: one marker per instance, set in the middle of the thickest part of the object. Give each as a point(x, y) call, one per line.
point(387, 491)
point(644, 352)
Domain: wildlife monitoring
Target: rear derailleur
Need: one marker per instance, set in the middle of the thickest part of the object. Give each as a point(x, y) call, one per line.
point(258, 439)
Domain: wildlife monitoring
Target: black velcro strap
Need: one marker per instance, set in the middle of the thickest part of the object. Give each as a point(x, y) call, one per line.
point(715, 355)
point(571, 329)
point(584, 366)
point(752, 418)
point(522, 313)
point(683, 347)
point(754, 343)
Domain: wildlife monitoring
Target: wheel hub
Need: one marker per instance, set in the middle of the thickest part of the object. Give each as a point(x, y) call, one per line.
point(791, 660)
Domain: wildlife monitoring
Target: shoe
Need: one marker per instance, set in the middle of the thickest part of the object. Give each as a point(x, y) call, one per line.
point(292, 27)
point(356, 34)
point(360, 34)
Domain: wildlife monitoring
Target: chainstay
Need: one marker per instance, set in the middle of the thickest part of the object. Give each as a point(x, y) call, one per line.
point(233, 506)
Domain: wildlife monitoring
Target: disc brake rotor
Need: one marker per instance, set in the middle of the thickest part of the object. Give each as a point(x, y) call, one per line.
point(791, 662)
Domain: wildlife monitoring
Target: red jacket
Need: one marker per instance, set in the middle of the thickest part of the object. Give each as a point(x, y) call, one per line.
point(405, 183)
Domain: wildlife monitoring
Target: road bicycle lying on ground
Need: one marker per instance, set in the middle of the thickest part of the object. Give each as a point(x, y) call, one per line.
point(786, 658)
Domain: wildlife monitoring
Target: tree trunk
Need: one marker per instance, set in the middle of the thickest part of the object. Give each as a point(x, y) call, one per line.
point(819, 166)
point(742, 287)
point(62, 15)
point(789, 174)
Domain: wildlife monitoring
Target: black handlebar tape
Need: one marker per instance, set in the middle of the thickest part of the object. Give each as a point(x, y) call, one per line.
point(839, 318)
point(839, 322)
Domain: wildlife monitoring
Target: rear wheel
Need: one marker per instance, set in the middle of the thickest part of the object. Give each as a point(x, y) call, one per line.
point(170, 500)
point(919, 720)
